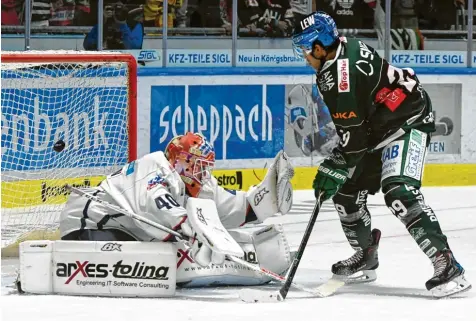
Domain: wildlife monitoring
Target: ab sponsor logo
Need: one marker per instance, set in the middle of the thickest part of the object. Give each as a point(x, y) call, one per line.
point(392, 159)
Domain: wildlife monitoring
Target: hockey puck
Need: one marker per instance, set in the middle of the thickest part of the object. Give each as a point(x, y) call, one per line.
point(59, 146)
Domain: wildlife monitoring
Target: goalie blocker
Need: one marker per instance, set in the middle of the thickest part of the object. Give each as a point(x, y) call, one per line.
point(143, 269)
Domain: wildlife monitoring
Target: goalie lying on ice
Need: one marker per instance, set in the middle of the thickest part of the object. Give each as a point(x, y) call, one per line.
point(157, 187)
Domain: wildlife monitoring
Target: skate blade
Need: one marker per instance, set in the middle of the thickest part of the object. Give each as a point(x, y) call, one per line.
point(364, 276)
point(455, 286)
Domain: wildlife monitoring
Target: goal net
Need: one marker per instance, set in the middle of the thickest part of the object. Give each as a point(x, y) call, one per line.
point(67, 118)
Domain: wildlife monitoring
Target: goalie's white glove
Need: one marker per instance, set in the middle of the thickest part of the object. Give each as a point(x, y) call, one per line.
point(275, 193)
point(200, 252)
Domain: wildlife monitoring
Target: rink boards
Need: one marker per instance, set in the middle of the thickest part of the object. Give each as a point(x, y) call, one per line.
point(53, 192)
point(249, 114)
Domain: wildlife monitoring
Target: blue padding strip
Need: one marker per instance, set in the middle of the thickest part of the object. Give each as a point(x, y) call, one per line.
point(263, 71)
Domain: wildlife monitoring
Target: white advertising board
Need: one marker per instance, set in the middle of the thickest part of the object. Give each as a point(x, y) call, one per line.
point(245, 116)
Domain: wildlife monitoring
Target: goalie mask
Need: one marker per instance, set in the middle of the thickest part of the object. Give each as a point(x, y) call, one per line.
point(193, 157)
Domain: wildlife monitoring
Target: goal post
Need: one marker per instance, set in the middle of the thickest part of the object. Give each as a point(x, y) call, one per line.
point(68, 117)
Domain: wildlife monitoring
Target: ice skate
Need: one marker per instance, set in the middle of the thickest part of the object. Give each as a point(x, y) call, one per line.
point(448, 278)
point(361, 266)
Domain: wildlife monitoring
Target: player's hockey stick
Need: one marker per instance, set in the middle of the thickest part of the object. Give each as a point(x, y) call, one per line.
point(132, 215)
point(326, 289)
point(283, 292)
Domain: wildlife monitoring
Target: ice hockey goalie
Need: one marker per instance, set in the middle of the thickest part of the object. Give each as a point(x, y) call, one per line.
point(103, 252)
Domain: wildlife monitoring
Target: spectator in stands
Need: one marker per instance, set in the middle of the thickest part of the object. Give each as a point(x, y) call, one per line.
point(277, 19)
point(271, 18)
point(10, 9)
point(82, 12)
point(153, 11)
point(40, 12)
point(404, 13)
point(136, 11)
point(70, 13)
point(300, 9)
point(206, 14)
point(249, 12)
point(181, 15)
point(349, 14)
point(405, 33)
point(444, 14)
point(120, 31)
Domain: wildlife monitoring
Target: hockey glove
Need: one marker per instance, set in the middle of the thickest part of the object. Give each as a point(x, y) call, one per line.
point(328, 180)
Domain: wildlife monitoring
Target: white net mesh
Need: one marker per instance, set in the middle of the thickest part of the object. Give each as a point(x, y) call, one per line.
point(45, 106)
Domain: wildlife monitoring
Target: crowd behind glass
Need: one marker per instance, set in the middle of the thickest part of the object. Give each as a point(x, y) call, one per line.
point(256, 18)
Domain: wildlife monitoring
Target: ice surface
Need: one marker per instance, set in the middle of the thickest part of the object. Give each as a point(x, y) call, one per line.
point(398, 294)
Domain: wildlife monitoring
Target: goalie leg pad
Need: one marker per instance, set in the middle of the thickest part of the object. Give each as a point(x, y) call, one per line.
point(266, 246)
point(270, 245)
point(126, 269)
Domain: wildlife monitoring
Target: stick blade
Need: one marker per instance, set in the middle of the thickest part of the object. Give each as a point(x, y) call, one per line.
point(330, 287)
point(258, 296)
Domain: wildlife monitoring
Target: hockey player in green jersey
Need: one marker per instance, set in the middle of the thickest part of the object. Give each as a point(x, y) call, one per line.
point(384, 119)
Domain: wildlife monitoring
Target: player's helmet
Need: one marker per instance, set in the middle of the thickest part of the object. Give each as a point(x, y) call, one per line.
point(193, 157)
point(316, 28)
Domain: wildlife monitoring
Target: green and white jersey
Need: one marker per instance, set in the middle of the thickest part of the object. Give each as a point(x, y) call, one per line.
point(370, 100)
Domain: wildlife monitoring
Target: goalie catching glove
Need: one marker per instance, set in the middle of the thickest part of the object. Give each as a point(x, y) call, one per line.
point(275, 193)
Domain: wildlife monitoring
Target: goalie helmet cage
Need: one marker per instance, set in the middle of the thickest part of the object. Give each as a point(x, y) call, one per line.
point(68, 117)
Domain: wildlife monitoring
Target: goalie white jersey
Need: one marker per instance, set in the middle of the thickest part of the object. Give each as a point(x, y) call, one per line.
point(149, 187)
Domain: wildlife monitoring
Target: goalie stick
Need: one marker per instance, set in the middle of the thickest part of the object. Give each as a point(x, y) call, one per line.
point(235, 259)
